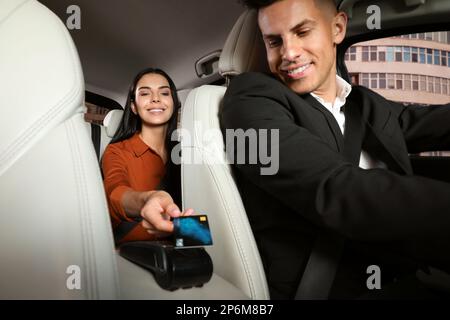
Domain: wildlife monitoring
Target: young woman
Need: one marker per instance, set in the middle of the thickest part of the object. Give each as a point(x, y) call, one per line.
point(136, 164)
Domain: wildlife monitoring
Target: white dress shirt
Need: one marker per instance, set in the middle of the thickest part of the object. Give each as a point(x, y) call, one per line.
point(343, 90)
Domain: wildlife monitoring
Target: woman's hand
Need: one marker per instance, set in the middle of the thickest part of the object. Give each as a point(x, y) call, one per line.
point(157, 211)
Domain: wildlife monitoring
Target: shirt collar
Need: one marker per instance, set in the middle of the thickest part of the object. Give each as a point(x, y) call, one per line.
point(137, 145)
point(343, 90)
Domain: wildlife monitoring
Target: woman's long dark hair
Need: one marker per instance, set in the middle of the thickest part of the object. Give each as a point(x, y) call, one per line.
point(132, 123)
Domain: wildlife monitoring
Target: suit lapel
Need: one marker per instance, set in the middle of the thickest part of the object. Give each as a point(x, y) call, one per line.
point(382, 147)
point(392, 153)
point(354, 131)
point(332, 123)
point(350, 144)
point(356, 135)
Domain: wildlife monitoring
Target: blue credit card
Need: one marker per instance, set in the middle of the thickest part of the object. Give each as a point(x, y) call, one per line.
point(191, 231)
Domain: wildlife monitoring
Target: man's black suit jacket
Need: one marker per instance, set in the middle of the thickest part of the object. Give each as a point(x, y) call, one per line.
point(320, 186)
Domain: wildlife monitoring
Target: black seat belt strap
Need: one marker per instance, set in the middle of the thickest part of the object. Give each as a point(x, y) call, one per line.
point(321, 268)
point(123, 229)
point(95, 136)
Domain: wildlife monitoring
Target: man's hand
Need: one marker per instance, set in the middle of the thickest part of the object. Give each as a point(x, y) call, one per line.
point(157, 211)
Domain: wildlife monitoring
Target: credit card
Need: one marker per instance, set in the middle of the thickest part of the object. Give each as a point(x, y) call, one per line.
point(191, 231)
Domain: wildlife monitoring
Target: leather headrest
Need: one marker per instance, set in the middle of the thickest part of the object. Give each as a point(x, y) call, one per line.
point(41, 79)
point(112, 122)
point(244, 48)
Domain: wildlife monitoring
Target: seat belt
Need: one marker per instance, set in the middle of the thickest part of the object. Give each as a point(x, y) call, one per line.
point(323, 262)
point(321, 268)
point(95, 136)
point(123, 229)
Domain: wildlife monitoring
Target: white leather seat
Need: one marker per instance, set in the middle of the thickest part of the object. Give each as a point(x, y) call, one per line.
point(54, 213)
point(207, 181)
point(53, 209)
point(110, 124)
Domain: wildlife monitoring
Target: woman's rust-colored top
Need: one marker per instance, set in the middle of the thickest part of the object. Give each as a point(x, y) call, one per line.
point(129, 165)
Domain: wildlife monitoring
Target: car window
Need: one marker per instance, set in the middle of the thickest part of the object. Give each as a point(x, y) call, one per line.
point(97, 106)
point(411, 68)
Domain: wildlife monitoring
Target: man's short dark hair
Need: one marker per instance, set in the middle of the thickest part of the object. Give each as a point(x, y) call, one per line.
point(257, 4)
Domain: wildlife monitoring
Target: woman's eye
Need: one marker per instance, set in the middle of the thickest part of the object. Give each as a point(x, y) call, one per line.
point(144, 94)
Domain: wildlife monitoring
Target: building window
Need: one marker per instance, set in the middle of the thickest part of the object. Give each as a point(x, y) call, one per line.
point(390, 54)
point(415, 82)
point(382, 77)
point(444, 58)
point(391, 81)
point(351, 54)
point(423, 83)
point(407, 77)
point(407, 54)
point(415, 55)
point(429, 56)
point(374, 80)
point(407, 82)
point(444, 86)
point(437, 57)
point(430, 85)
point(365, 53)
point(398, 54)
point(365, 80)
point(437, 85)
point(373, 53)
point(399, 81)
point(354, 78)
point(422, 55)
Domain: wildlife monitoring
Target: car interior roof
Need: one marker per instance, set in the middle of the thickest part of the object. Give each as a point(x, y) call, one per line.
point(119, 38)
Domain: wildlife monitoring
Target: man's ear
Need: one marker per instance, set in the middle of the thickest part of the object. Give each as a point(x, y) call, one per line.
point(339, 27)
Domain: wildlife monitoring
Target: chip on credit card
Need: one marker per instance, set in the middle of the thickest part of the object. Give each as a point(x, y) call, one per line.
point(191, 231)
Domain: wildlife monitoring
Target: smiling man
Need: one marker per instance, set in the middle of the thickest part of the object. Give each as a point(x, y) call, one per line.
point(301, 39)
point(344, 168)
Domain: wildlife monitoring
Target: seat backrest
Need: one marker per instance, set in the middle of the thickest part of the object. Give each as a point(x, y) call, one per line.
point(110, 124)
point(56, 239)
point(207, 181)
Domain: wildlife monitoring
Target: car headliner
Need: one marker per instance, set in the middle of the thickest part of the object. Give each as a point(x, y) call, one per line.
point(118, 38)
